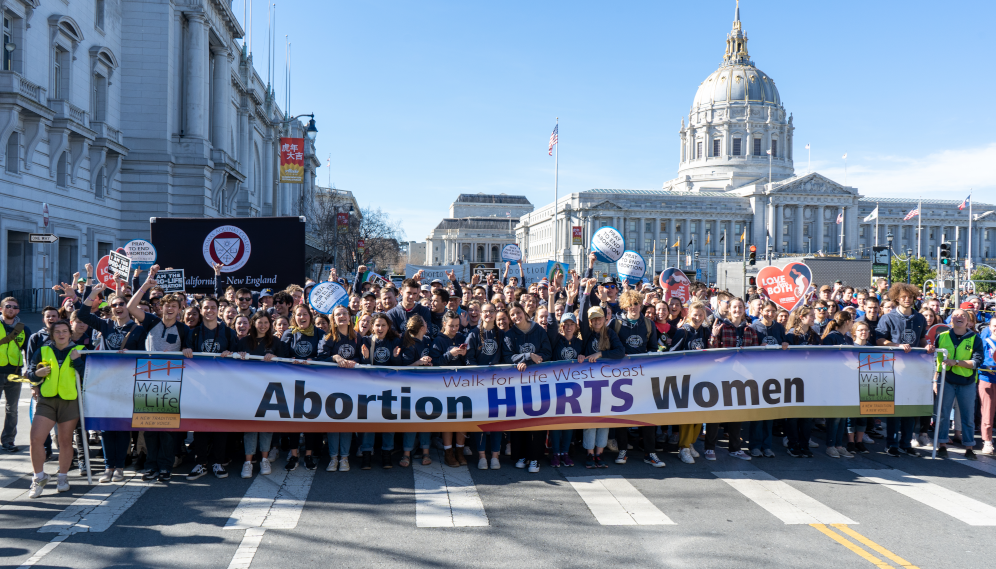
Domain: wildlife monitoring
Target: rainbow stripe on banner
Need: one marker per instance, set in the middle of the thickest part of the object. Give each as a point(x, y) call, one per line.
point(165, 391)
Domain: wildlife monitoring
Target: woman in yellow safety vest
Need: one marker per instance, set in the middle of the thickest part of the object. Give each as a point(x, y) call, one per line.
point(54, 368)
point(964, 356)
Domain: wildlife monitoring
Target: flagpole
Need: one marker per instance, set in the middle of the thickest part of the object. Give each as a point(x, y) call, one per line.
point(969, 264)
point(919, 227)
point(878, 214)
point(556, 192)
point(724, 245)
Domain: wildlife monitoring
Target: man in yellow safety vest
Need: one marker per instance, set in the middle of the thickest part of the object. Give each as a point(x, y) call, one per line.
point(965, 354)
point(13, 337)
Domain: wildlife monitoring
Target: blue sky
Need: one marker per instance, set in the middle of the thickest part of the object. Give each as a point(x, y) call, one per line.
point(419, 102)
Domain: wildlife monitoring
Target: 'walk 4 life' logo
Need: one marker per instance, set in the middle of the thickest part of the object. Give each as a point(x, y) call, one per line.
point(877, 383)
point(157, 394)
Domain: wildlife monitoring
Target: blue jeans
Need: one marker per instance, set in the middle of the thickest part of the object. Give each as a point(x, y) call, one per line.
point(408, 441)
point(896, 428)
point(966, 404)
point(494, 438)
point(857, 425)
point(115, 445)
point(339, 443)
point(760, 435)
point(249, 442)
point(592, 438)
point(799, 431)
point(836, 432)
point(560, 441)
point(367, 442)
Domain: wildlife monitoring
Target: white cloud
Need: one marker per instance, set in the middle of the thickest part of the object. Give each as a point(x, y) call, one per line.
point(949, 174)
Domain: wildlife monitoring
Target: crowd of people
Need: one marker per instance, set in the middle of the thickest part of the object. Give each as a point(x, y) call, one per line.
point(492, 320)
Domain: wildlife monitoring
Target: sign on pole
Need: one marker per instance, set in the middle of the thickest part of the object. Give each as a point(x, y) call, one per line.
point(119, 265)
point(576, 235)
point(291, 160)
point(142, 254)
point(325, 297)
point(42, 238)
point(511, 253)
point(788, 286)
point(881, 261)
point(172, 280)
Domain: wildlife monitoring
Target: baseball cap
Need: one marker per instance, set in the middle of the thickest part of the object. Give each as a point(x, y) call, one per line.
point(437, 282)
point(609, 280)
point(81, 280)
point(368, 293)
point(596, 312)
point(266, 292)
point(967, 306)
point(569, 316)
point(426, 287)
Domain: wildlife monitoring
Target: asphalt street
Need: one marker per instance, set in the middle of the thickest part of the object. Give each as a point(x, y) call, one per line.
point(870, 511)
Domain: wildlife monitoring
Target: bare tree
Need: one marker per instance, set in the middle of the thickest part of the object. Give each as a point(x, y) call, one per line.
point(381, 235)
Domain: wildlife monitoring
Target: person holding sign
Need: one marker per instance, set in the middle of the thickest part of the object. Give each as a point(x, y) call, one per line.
point(342, 346)
point(638, 335)
point(599, 341)
point(526, 343)
point(258, 342)
point(732, 333)
point(449, 349)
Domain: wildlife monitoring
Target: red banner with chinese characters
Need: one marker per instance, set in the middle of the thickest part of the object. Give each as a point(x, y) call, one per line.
point(576, 235)
point(291, 160)
point(342, 219)
point(360, 247)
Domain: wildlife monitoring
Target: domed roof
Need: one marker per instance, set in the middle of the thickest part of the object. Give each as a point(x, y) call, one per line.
point(737, 84)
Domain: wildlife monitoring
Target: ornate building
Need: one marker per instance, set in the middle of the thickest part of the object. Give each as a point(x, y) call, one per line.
point(736, 174)
point(478, 227)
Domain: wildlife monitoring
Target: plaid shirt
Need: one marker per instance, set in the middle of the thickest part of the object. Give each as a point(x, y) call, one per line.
point(728, 336)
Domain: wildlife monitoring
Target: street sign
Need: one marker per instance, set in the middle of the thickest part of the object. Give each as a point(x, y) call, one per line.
point(42, 238)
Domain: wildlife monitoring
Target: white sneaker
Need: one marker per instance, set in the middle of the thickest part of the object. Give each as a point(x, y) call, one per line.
point(915, 443)
point(264, 466)
point(333, 465)
point(621, 459)
point(865, 439)
point(813, 444)
point(273, 455)
point(521, 463)
point(495, 464)
point(247, 469)
point(832, 452)
point(785, 442)
point(686, 456)
point(740, 454)
point(508, 449)
point(768, 453)
point(344, 464)
point(534, 466)
point(63, 485)
point(924, 440)
point(844, 453)
point(652, 460)
point(987, 448)
point(37, 485)
point(118, 475)
point(710, 455)
point(482, 464)
point(695, 453)
point(755, 452)
point(105, 478)
point(612, 446)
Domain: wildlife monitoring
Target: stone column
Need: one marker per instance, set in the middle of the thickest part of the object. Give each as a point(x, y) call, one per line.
point(221, 106)
point(701, 239)
point(818, 229)
point(780, 229)
point(800, 223)
point(195, 63)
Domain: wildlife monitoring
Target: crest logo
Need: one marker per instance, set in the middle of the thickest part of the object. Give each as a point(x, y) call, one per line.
point(229, 246)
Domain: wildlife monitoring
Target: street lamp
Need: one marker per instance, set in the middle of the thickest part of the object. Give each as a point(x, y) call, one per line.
point(312, 131)
point(888, 238)
point(909, 274)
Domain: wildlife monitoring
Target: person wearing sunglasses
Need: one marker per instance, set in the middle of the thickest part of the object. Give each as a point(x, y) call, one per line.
point(282, 302)
point(822, 316)
point(243, 300)
point(14, 337)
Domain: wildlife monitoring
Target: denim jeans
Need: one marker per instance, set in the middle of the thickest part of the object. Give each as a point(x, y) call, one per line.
point(367, 442)
point(408, 441)
point(494, 438)
point(899, 428)
point(857, 425)
point(760, 435)
point(160, 447)
point(592, 438)
point(11, 395)
point(339, 443)
point(560, 441)
point(966, 402)
point(798, 432)
point(836, 432)
point(249, 442)
point(115, 445)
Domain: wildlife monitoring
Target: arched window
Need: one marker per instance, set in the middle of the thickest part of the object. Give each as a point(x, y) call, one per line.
point(13, 153)
point(480, 253)
point(494, 254)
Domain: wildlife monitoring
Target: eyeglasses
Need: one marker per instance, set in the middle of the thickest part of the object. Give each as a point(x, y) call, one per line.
point(243, 299)
point(279, 302)
point(117, 305)
point(12, 306)
point(610, 286)
point(821, 309)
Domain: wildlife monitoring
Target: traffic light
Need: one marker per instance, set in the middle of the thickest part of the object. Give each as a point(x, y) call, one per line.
point(945, 253)
point(752, 281)
point(752, 260)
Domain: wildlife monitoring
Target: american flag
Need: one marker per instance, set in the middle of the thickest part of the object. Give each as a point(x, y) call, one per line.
point(553, 139)
point(964, 204)
point(913, 213)
point(840, 218)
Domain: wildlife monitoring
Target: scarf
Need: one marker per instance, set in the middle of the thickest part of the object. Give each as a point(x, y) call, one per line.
point(309, 331)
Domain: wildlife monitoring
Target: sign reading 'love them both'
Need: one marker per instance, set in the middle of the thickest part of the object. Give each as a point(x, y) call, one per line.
point(787, 286)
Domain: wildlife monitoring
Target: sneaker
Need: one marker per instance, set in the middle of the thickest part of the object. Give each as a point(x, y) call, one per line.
point(740, 454)
point(12, 448)
point(813, 444)
point(482, 463)
point(365, 461)
point(150, 474)
point(794, 453)
point(942, 452)
point(755, 452)
point(844, 453)
point(264, 466)
point(969, 454)
point(177, 461)
point(521, 463)
point(621, 459)
point(508, 449)
point(495, 464)
point(865, 439)
point(165, 476)
point(860, 447)
point(534, 466)
point(196, 473)
point(599, 463)
point(911, 452)
point(565, 460)
point(987, 448)
point(695, 453)
point(686, 456)
point(893, 451)
point(832, 452)
point(785, 442)
point(37, 485)
point(247, 469)
point(118, 475)
point(851, 448)
point(768, 453)
point(63, 484)
point(710, 454)
point(466, 450)
point(309, 462)
point(291, 463)
point(806, 452)
point(652, 460)
point(333, 465)
point(590, 461)
point(344, 464)
point(554, 460)
point(220, 472)
point(675, 438)
point(612, 446)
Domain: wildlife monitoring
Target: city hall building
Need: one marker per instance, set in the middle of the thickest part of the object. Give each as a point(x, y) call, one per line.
point(723, 188)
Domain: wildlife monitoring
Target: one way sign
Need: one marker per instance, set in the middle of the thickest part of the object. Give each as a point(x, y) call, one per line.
point(42, 238)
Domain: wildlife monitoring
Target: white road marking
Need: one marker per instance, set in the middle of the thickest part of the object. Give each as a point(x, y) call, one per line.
point(12, 494)
point(958, 506)
point(781, 500)
point(247, 549)
point(615, 502)
point(45, 550)
point(446, 497)
point(983, 462)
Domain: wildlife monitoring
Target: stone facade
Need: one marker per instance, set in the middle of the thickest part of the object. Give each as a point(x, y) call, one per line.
point(115, 112)
point(479, 226)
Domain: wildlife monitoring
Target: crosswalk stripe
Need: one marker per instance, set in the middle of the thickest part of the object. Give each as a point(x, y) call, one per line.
point(982, 462)
point(781, 500)
point(247, 549)
point(958, 506)
point(446, 497)
point(96, 510)
point(273, 501)
point(615, 502)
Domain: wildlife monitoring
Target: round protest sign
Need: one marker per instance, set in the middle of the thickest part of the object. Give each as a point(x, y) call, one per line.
point(787, 286)
point(676, 285)
point(326, 296)
point(142, 254)
point(104, 274)
point(608, 245)
point(511, 253)
point(631, 267)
